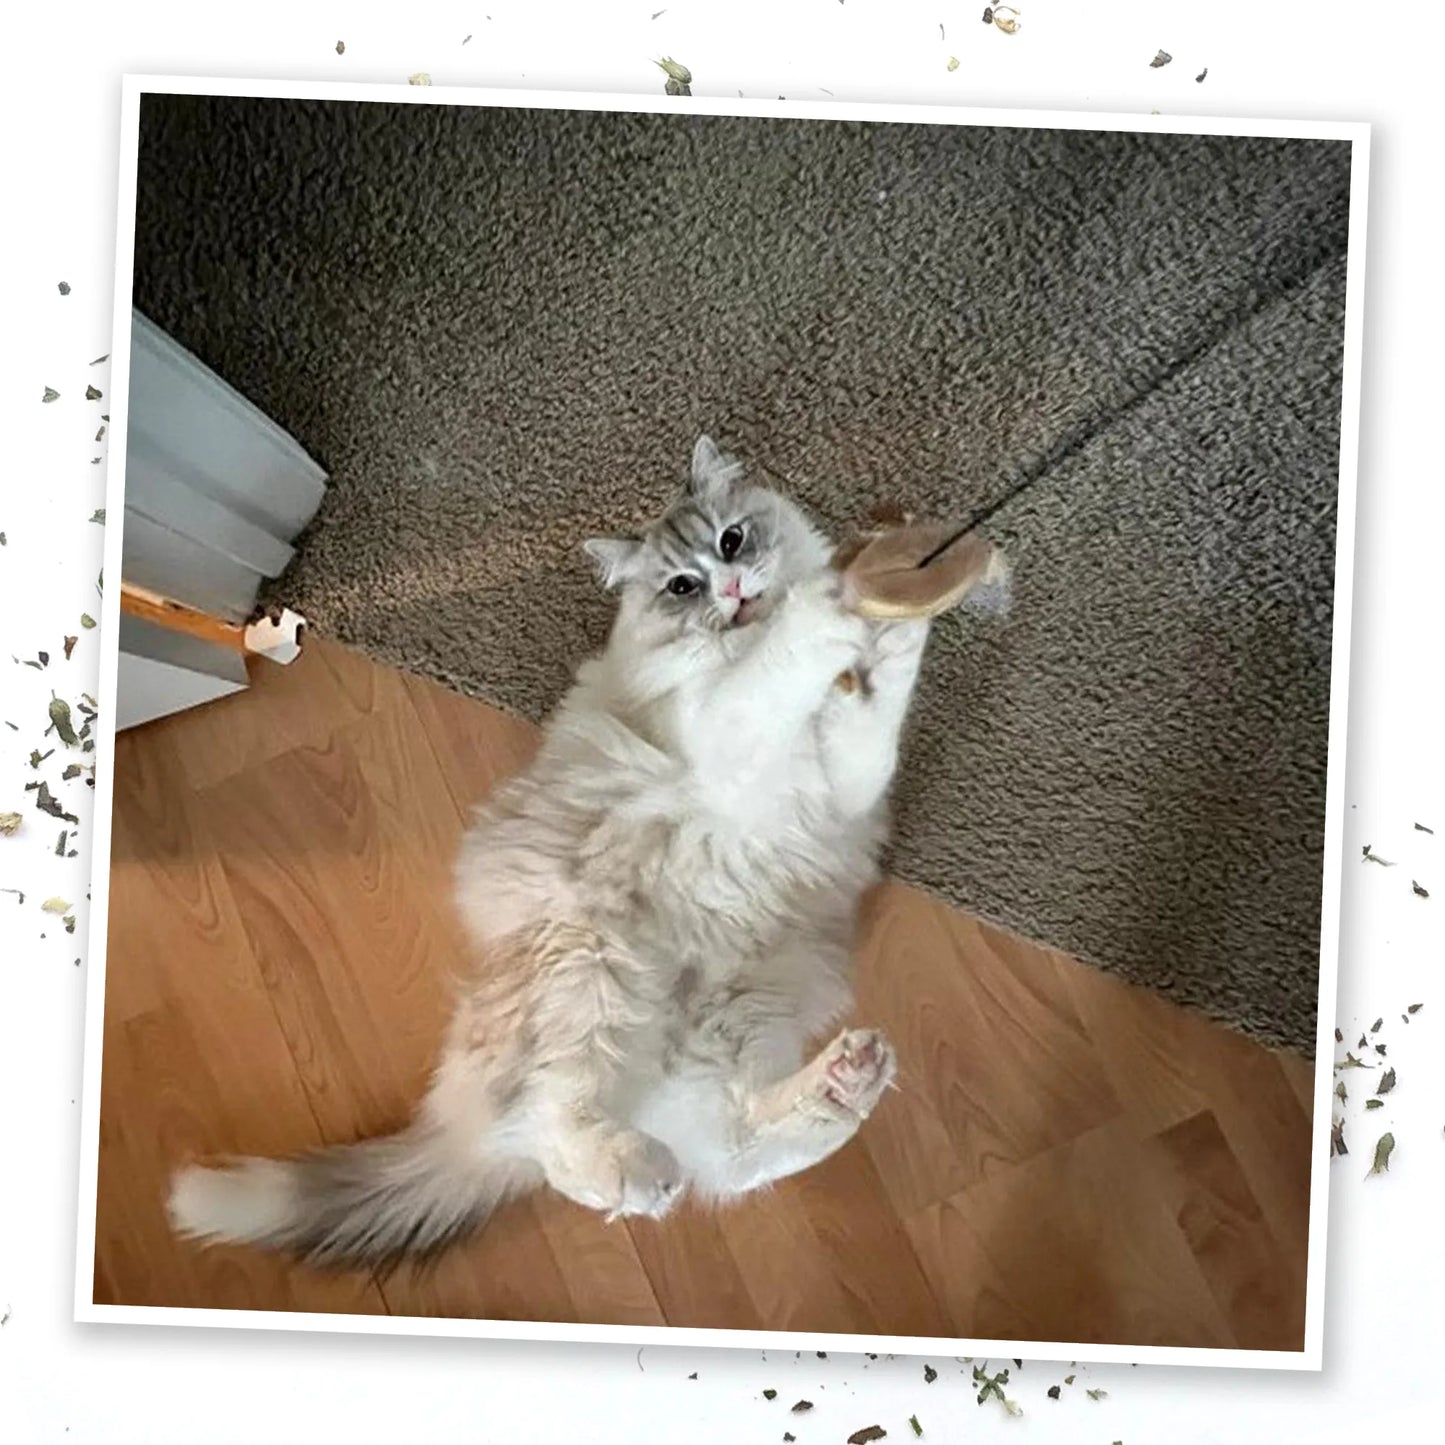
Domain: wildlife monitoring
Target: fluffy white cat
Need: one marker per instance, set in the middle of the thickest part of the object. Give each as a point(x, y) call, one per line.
point(663, 906)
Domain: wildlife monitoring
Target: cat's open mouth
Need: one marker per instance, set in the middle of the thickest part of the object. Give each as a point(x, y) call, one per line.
point(748, 609)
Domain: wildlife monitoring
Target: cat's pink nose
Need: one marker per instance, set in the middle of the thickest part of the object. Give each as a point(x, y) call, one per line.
point(733, 587)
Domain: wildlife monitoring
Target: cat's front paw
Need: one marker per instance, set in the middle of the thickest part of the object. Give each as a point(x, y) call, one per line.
point(855, 1070)
point(649, 1178)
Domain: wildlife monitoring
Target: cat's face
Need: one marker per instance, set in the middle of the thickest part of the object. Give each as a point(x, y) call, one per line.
point(719, 558)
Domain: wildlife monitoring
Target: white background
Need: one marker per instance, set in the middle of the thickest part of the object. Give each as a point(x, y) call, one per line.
point(1386, 1280)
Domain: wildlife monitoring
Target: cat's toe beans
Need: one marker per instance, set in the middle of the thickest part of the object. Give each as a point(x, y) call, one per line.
point(861, 1065)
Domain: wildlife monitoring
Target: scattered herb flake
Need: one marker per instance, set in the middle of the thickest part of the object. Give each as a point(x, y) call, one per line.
point(1374, 1103)
point(953, 62)
point(100, 433)
point(48, 804)
point(1380, 1049)
point(1340, 1093)
point(1054, 1392)
point(1069, 1379)
point(37, 757)
point(788, 1435)
point(60, 718)
point(64, 288)
point(1097, 1394)
point(50, 394)
point(929, 1374)
point(1387, 1082)
point(802, 1407)
point(867, 1435)
point(93, 393)
point(69, 923)
point(17, 892)
point(70, 646)
point(98, 515)
point(99, 359)
point(1377, 1025)
point(1199, 79)
point(1162, 58)
point(770, 1394)
point(1337, 1138)
point(420, 78)
point(913, 1419)
point(1369, 857)
point(87, 621)
point(1339, 1037)
point(1383, 1150)
point(341, 47)
point(1007, 23)
point(1418, 891)
point(988, 16)
point(55, 905)
point(60, 846)
point(1421, 828)
point(1351, 1062)
point(1415, 1008)
point(10, 824)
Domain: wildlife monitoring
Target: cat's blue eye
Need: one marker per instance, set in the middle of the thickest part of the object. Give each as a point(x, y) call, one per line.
point(682, 585)
point(731, 540)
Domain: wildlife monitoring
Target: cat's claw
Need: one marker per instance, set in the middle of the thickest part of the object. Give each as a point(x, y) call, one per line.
point(857, 1067)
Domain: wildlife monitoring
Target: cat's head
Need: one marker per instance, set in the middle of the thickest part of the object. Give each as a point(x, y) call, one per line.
point(719, 558)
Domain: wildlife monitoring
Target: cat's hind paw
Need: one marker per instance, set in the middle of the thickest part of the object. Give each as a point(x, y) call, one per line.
point(856, 1068)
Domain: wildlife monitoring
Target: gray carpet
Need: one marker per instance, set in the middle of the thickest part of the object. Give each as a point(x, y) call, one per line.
point(501, 332)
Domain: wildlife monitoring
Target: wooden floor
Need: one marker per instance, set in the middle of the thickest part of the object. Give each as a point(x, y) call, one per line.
point(1067, 1158)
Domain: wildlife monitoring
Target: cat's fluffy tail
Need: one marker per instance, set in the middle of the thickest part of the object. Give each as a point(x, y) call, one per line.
point(368, 1204)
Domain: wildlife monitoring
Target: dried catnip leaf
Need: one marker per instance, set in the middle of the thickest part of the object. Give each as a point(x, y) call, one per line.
point(87, 621)
point(98, 515)
point(1376, 1026)
point(1009, 24)
point(60, 846)
point(1199, 79)
point(73, 771)
point(69, 922)
point(341, 47)
point(1351, 1062)
point(10, 824)
point(1418, 891)
point(99, 359)
point(1097, 1394)
point(93, 393)
point(1162, 58)
point(1337, 1138)
point(867, 1435)
point(929, 1374)
point(1383, 1150)
point(100, 434)
point(1374, 1103)
point(1069, 1379)
point(55, 905)
point(1387, 1082)
point(420, 78)
point(788, 1435)
point(1339, 1037)
point(18, 894)
point(1421, 828)
point(1340, 1093)
point(64, 288)
point(60, 718)
point(1370, 857)
point(48, 804)
point(801, 1408)
point(1415, 1008)
point(70, 646)
point(37, 757)
point(1380, 1049)
point(770, 1394)
point(50, 394)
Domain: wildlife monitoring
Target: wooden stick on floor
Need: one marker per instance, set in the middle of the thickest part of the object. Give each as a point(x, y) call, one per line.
point(273, 635)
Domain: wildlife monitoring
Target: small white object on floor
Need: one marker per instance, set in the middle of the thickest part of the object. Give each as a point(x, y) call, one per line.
point(279, 640)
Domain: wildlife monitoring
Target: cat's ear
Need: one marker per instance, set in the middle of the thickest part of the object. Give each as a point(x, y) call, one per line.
point(613, 557)
point(712, 472)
